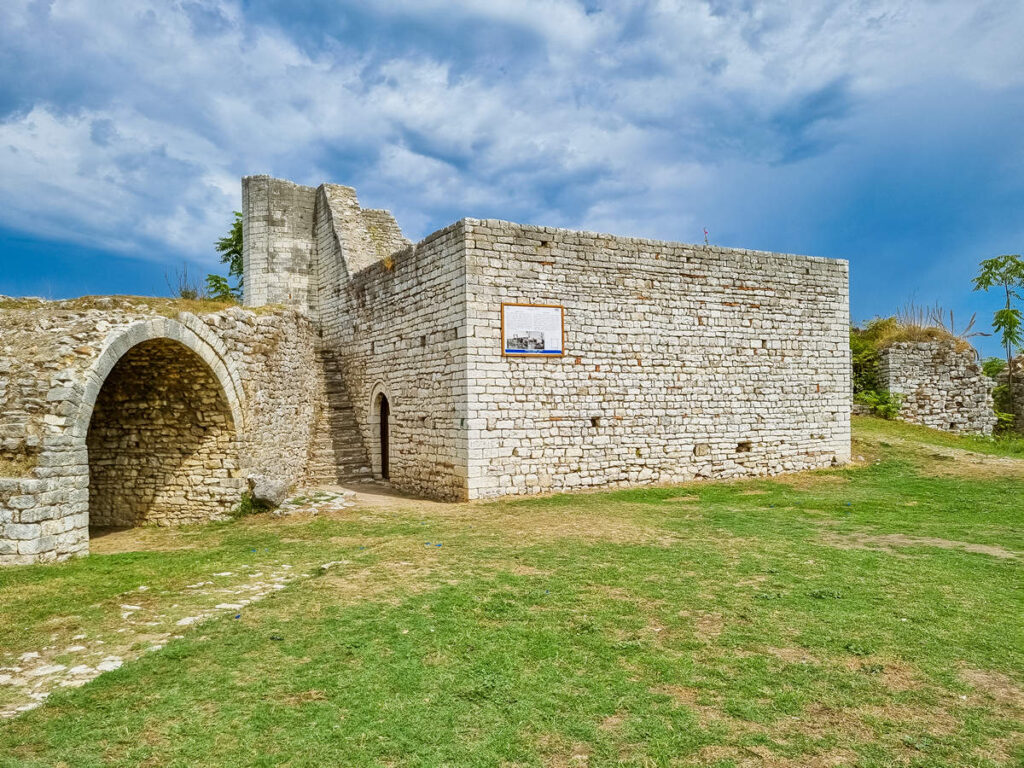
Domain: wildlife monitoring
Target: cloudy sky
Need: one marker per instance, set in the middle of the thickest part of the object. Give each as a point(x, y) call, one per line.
point(886, 132)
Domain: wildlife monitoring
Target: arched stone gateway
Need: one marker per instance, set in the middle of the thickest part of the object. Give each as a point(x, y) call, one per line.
point(380, 432)
point(161, 441)
point(163, 428)
point(112, 414)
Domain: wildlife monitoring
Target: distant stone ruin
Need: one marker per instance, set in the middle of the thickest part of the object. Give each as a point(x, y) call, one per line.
point(942, 385)
point(360, 355)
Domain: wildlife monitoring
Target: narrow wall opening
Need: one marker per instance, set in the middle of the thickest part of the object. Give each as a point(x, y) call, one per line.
point(161, 441)
point(384, 409)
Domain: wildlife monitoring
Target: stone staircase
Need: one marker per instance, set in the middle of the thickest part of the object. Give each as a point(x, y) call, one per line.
point(336, 454)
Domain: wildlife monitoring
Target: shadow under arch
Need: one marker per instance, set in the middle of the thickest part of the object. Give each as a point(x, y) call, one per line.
point(162, 419)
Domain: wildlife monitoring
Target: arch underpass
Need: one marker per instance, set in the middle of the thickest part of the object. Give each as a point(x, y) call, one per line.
point(161, 440)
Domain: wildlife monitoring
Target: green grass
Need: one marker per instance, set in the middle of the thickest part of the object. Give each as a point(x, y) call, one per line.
point(830, 618)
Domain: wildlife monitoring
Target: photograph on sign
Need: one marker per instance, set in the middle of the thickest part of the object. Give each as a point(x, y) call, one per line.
point(531, 329)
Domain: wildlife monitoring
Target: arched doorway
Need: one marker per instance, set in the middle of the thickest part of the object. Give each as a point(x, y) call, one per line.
point(385, 437)
point(161, 440)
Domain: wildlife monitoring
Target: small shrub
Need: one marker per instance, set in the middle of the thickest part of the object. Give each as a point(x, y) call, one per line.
point(993, 366)
point(884, 404)
point(247, 505)
point(185, 286)
point(219, 289)
point(1004, 423)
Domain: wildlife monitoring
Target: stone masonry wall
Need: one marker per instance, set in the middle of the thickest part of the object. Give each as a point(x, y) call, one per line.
point(277, 253)
point(681, 362)
point(675, 351)
point(55, 359)
point(161, 441)
point(943, 386)
point(398, 326)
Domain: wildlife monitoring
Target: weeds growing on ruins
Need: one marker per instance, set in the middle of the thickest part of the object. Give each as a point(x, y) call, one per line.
point(829, 618)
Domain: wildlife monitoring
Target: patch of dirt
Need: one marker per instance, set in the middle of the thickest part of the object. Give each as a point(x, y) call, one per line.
point(556, 754)
point(298, 699)
point(995, 685)
point(764, 757)
point(944, 461)
point(690, 499)
point(892, 542)
point(894, 675)
point(612, 722)
point(934, 720)
point(111, 541)
point(709, 626)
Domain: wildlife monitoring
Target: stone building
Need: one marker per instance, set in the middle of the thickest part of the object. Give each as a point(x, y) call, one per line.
point(359, 354)
point(942, 385)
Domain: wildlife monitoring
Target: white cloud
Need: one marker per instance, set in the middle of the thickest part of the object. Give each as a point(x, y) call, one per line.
point(132, 121)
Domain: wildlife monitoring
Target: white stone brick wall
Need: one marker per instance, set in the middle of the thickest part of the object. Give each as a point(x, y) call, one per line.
point(277, 253)
point(681, 362)
point(398, 326)
point(942, 385)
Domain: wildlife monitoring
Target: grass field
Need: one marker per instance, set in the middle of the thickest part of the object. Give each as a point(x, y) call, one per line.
point(871, 615)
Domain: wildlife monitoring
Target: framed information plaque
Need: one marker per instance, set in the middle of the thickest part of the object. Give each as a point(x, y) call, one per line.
point(532, 330)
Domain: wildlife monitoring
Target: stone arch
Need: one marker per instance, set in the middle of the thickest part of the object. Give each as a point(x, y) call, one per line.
point(379, 396)
point(191, 334)
point(161, 418)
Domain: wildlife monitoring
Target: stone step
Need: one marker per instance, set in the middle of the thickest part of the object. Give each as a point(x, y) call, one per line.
point(337, 453)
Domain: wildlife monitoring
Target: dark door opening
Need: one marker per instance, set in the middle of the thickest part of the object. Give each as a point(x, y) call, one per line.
point(385, 452)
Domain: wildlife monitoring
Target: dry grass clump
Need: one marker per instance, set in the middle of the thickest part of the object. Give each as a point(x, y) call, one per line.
point(159, 305)
point(892, 330)
point(16, 464)
point(915, 323)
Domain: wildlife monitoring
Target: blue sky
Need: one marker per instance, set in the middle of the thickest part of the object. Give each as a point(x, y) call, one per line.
point(886, 132)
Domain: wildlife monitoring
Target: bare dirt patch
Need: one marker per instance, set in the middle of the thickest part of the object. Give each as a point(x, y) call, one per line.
point(893, 542)
point(894, 675)
point(112, 541)
point(995, 685)
point(709, 626)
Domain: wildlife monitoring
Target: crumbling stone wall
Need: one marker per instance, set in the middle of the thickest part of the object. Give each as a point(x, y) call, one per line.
point(942, 385)
point(56, 358)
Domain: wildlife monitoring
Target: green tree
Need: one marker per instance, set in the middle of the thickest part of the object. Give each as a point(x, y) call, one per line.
point(230, 250)
point(219, 289)
point(1006, 272)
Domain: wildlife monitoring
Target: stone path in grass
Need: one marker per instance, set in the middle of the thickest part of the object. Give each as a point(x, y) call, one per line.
point(29, 678)
point(147, 624)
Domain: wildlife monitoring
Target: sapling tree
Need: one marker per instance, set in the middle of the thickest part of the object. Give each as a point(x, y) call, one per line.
point(230, 250)
point(1006, 272)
